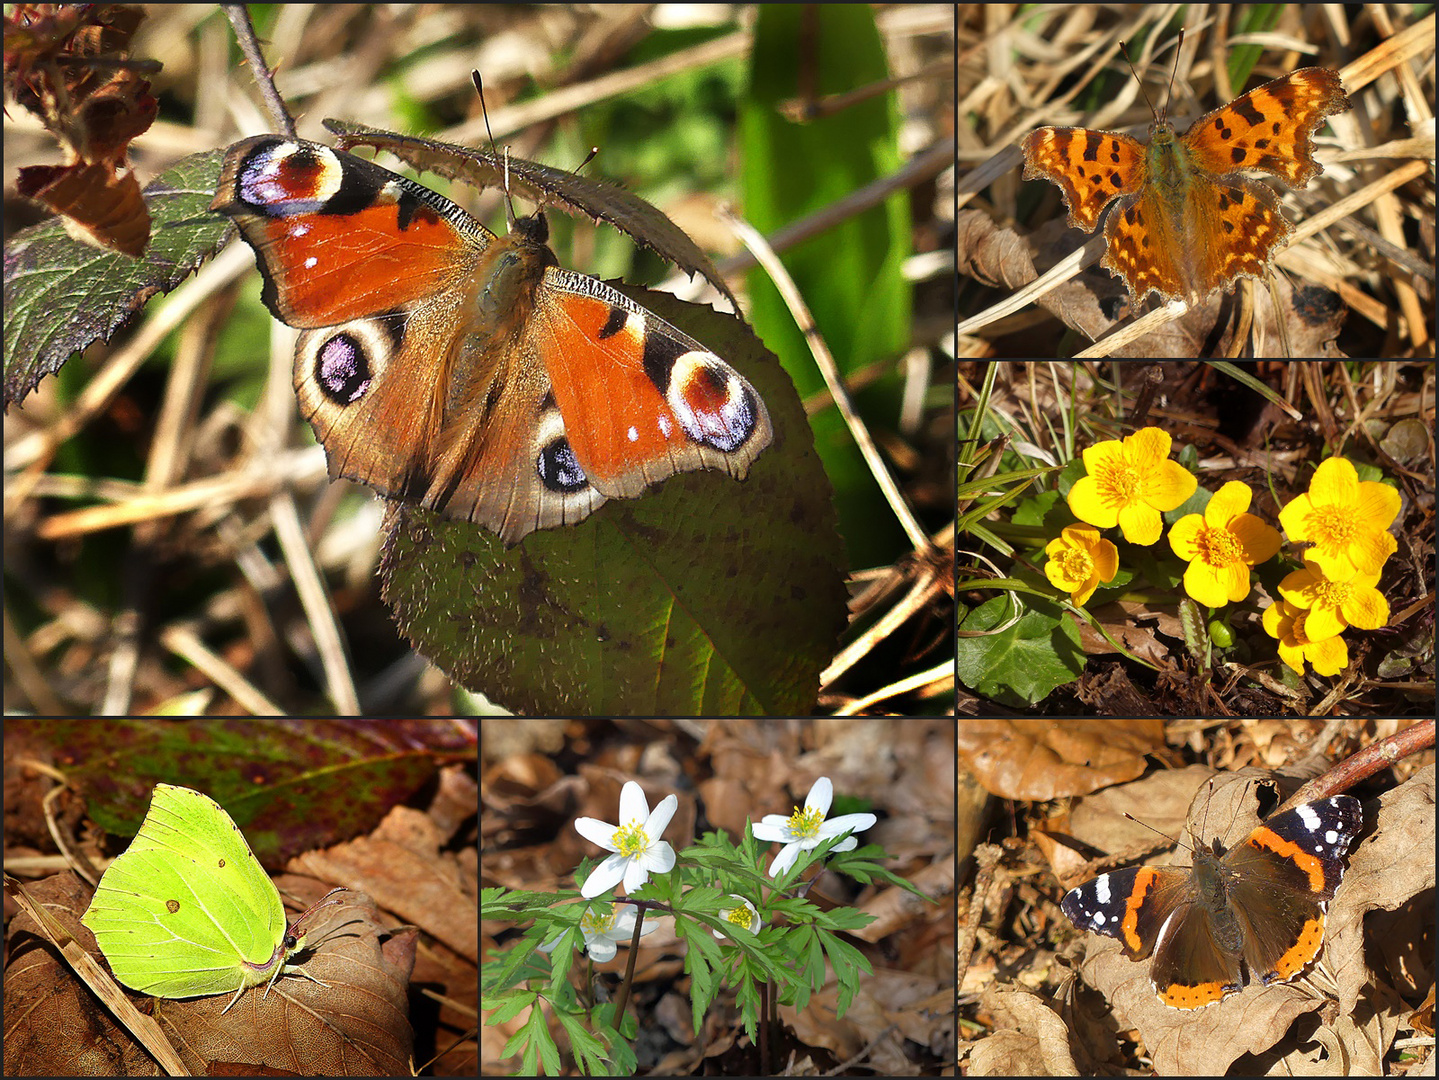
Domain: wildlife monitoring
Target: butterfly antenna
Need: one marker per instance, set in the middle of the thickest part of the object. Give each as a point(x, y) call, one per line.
point(485, 113)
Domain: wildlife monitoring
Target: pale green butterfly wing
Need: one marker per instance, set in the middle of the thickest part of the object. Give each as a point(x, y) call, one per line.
point(187, 910)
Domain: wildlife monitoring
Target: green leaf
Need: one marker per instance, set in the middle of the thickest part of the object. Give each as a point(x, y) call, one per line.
point(589, 1051)
point(517, 955)
point(1019, 666)
point(538, 1045)
point(848, 963)
point(747, 998)
point(703, 952)
point(509, 1005)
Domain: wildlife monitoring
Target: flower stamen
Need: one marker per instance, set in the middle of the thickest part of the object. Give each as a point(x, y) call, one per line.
point(1120, 483)
point(1219, 547)
point(805, 823)
point(631, 839)
point(599, 919)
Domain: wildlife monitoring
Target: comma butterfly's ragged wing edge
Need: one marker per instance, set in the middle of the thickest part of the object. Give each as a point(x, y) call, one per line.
point(1186, 223)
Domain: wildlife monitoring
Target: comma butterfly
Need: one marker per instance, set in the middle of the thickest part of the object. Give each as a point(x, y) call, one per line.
point(1186, 224)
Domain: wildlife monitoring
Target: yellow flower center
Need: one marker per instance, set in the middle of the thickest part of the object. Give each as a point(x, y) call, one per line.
point(1333, 592)
point(805, 823)
point(1075, 564)
point(1120, 483)
point(631, 840)
point(1332, 526)
point(1219, 547)
point(599, 919)
point(740, 917)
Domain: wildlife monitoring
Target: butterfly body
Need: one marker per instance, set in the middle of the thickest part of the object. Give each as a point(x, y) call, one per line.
point(468, 372)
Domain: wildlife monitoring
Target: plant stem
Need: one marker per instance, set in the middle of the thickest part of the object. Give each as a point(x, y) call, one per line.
point(624, 997)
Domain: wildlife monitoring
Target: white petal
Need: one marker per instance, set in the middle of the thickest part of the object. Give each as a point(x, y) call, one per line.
point(849, 843)
point(635, 875)
point(659, 857)
point(596, 832)
point(624, 924)
point(847, 823)
point(633, 806)
point(604, 877)
point(820, 796)
point(772, 828)
point(784, 860)
point(601, 949)
point(660, 820)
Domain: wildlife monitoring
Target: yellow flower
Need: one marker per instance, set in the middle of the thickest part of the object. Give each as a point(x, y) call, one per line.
point(1079, 559)
point(1130, 484)
point(1348, 521)
point(1289, 624)
point(1333, 605)
point(1221, 545)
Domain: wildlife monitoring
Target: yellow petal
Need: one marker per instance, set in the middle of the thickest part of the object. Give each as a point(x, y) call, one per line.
point(1292, 655)
point(1329, 657)
point(1106, 560)
point(1148, 446)
point(1183, 536)
point(1228, 503)
point(1322, 622)
point(1366, 608)
point(1170, 486)
point(1369, 550)
point(1085, 503)
point(1295, 513)
point(1301, 587)
point(1335, 483)
point(1259, 540)
point(1377, 505)
point(1204, 584)
point(1140, 524)
point(1272, 622)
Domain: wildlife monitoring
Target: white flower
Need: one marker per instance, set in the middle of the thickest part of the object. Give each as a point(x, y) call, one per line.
point(636, 843)
point(745, 916)
point(806, 829)
point(604, 926)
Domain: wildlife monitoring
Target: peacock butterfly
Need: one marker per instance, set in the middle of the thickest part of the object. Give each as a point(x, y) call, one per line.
point(444, 365)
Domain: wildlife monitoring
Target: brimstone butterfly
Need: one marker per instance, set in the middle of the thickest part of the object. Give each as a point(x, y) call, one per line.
point(187, 910)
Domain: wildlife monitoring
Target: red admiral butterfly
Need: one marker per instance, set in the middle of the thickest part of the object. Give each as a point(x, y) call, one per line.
point(1253, 914)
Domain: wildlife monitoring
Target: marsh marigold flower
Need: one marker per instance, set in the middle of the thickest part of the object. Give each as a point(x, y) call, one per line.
point(1347, 521)
point(1130, 484)
point(1289, 624)
point(1221, 545)
point(1079, 559)
point(1333, 605)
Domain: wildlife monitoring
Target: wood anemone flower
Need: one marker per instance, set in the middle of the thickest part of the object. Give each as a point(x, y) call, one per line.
point(638, 849)
point(1221, 545)
point(806, 829)
point(1130, 484)
point(1347, 521)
